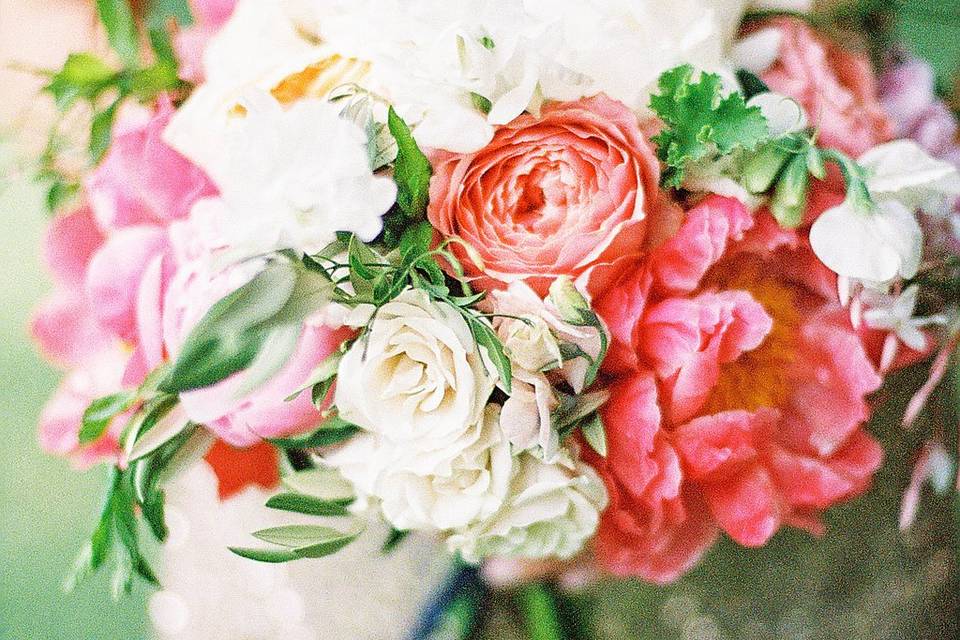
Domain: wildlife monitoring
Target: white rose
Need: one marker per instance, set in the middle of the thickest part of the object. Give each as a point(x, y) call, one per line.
point(551, 511)
point(530, 344)
point(454, 493)
point(417, 377)
point(526, 414)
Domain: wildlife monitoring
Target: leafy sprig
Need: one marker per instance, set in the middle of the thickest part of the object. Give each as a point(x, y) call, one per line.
point(700, 121)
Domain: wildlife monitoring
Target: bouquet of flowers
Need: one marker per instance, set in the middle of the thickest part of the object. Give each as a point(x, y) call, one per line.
point(602, 280)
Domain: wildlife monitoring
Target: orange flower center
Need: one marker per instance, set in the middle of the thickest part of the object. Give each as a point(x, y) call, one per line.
point(757, 378)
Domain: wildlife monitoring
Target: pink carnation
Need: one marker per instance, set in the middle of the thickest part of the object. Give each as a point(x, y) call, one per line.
point(837, 88)
point(549, 196)
point(739, 394)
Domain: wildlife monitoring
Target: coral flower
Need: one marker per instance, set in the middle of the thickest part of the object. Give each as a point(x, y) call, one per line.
point(740, 390)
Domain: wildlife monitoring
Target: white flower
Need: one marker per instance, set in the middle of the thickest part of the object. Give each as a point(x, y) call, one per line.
point(783, 114)
point(872, 243)
point(454, 493)
point(551, 511)
point(296, 177)
point(758, 51)
point(895, 314)
point(526, 414)
point(430, 57)
point(901, 170)
point(417, 378)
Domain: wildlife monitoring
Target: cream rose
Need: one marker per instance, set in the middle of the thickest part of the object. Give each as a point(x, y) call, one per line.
point(551, 511)
point(447, 495)
point(416, 378)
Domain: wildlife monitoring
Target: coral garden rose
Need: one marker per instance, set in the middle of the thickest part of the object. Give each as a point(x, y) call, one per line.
point(836, 87)
point(552, 195)
point(742, 388)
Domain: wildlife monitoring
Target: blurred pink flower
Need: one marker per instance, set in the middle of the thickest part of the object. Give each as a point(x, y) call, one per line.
point(743, 388)
point(209, 16)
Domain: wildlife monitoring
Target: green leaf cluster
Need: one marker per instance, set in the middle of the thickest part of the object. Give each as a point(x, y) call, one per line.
point(315, 492)
point(700, 121)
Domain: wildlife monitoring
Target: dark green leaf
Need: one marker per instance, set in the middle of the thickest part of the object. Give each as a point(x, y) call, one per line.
point(153, 513)
point(481, 103)
point(595, 435)
point(117, 17)
point(161, 14)
point(393, 540)
point(416, 241)
point(299, 503)
point(751, 84)
point(411, 170)
point(101, 412)
point(334, 430)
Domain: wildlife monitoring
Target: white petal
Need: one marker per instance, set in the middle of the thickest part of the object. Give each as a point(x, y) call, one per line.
point(758, 51)
point(784, 115)
point(851, 243)
point(902, 170)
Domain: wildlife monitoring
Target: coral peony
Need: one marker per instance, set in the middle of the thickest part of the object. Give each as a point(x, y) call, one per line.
point(836, 87)
point(549, 196)
point(741, 394)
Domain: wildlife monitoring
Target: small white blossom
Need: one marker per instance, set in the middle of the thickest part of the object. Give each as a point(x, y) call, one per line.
point(895, 314)
point(902, 171)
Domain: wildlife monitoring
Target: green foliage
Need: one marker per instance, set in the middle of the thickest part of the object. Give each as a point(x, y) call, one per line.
point(117, 18)
point(411, 170)
point(700, 121)
point(394, 538)
point(101, 411)
point(234, 334)
point(334, 430)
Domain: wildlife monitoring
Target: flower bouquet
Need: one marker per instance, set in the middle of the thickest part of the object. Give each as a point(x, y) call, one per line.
point(595, 282)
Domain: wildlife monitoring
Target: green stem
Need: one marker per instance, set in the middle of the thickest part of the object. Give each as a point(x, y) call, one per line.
point(854, 176)
point(540, 613)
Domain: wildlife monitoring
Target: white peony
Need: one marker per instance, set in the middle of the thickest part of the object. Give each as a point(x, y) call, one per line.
point(295, 178)
point(431, 58)
point(453, 493)
point(551, 511)
point(416, 378)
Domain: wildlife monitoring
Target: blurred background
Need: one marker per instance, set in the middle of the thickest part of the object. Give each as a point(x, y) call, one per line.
point(864, 580)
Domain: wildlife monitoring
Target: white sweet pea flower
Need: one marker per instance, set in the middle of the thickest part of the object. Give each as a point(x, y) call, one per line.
point(551, 510)
point(863, 241)
point(451, 493)
point(416, 377)
point(901, 170)
point(783, 114)
point(895, 314)
point(296, 177)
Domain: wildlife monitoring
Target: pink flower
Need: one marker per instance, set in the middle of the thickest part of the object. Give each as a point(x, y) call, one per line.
point(549, 196)
point(244, 419)
point(836, 87)
point(742, 393)
point(209, 16)
point(141, 180)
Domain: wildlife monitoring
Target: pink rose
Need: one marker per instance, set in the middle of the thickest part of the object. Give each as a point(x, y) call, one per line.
point(837, 88)
point(556, 195)
point(743, 391)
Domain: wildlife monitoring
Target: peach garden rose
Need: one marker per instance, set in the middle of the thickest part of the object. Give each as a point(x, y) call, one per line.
point(555, 195)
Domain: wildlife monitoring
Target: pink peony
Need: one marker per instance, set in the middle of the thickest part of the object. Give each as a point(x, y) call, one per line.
point(739, 391)
point(549, 196)
point(837, 88)
point(264, 413)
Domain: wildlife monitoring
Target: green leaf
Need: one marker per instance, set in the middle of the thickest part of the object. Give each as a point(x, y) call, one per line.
point(411, 170)
point(101, 131)
point(700, 121)
point(595, 435)
point(117, 17)
point(231, 334)
point(122, 582)
point(299, 503)
point(297, 536)
point(265, 555)
point(484, 335)
point(160, 15)
point(393, 540)
point(416, 241)
point(326, 484)
point(82, 76)
point(101, 412)
point(751, 84)
point(146, 83)
point(481, 103)
point(334, 430)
